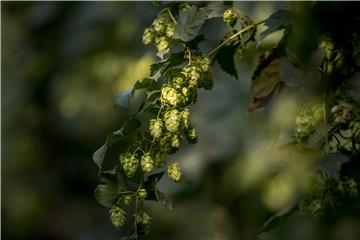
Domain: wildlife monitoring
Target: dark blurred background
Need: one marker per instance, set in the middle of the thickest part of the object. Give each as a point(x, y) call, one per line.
point(62, 62)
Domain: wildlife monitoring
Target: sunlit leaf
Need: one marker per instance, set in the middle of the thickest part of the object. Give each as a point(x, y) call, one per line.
point(123, 99)
point(190, 22)
point(144, 83)
point(278, 20)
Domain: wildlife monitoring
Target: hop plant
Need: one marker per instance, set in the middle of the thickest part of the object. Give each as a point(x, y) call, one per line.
point(193, 74)
point(170, 30)
point(169, 96)
point(159, 25)
point(159, 159)
point(179, 80)
point(147, 163)
point(148, 36)
point(142, 193)
point(129, 163)
point(229, 17)
point(312, 207)
point(117, 216)
point(343, 112)
point(318, 112)
point(207, 81)
point(162, 43)
point(203, 62)
point(173, 171)
point(175, 141)
point(127, 199)
point(355, 129)
point(164, 141)
point(156, 128)
point(184, 6)
point(191, 135)
point(190, 95)
point(143, 218)
point(350, 188)
point(172, 120)
point(185, 118)
point(304, 126)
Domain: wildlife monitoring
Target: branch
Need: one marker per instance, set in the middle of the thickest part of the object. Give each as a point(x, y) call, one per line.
point(234, 36)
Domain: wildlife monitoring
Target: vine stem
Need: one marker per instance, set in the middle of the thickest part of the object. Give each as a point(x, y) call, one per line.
point(171, 16)
point(325, 129)
point(136, 211)
point(234, 36)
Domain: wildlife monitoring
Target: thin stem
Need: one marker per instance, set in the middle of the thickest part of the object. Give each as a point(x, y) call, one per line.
point(140, 150)
point(135, 223)
point(325, 129)
point(158, 115)
point(234, 36)
point(137, 205)
point(171, 16)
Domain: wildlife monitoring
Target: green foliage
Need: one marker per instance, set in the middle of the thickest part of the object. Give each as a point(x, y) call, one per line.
point(123, 99)
point(163, 120)
point(190, 22)
point(278, 20)
point(225, 57)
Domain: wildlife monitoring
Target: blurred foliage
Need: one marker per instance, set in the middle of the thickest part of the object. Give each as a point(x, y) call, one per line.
point(61, 65)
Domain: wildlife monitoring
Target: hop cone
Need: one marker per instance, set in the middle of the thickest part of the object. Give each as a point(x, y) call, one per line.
point(173, 171)
point(169, 96)
point(159, 159)
point(143, 218)
point(147, 163)
point(172, 120)
point(185, 117)
point(117, 216)
point(156, 128)
point(191, 135)
point(129, 163)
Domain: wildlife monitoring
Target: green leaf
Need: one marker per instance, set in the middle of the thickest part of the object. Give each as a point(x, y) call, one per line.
point(332, 163)
point(290, 74)
point(106, 194)
point(225, 58)
point(130, 126)
point(123, 99)
point(171, 72)
point(145, 83)
point(278, 20)
point(152, 180)
point(190, 22)
point(150, 185)
point(276, 220)
point(156, 67)
point(174, 59)
point(216, 9)
point(99, 155)
point(109, 175)
point(153, 93)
